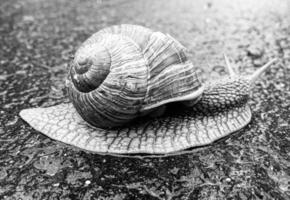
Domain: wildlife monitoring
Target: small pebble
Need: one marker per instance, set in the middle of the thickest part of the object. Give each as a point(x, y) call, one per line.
point(3, 174)
point(3, 77)
point(255, 51)
point(56, 184)
point(28, 18)
point(258, 62)
point(13, 121)
point(228, 179)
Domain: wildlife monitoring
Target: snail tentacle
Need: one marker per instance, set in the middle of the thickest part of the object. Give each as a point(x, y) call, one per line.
point(261, 70)
point(229, 67)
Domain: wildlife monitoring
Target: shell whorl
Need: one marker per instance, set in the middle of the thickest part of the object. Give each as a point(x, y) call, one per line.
point(123, 70)
point(90, 67)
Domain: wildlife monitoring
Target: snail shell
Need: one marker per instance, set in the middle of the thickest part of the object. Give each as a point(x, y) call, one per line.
point(123, 71)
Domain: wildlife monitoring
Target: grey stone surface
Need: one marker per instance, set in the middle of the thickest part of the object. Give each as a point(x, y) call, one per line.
point(37, 41)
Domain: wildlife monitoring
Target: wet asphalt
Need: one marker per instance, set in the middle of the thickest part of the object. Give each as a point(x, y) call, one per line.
point(38, 39)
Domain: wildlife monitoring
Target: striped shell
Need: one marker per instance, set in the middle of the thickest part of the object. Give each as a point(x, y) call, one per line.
point(123, 71)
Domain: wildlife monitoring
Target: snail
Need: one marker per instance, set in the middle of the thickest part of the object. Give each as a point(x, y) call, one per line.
point(134, 90)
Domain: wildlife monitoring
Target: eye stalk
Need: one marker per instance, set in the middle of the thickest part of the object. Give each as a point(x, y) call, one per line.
point(229, 67)
point(257, 73)
point(252, 78)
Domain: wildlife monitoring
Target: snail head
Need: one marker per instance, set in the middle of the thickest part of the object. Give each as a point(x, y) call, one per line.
point(248, 80)
point(233, 90)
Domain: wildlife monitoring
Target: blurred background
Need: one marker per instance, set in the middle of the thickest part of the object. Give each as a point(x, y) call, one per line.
point(38, 39)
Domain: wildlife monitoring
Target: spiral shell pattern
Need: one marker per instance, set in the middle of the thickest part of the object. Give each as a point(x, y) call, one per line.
point(124, 70)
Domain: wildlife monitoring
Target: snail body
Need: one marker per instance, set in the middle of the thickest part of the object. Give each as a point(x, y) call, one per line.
point(125, 72)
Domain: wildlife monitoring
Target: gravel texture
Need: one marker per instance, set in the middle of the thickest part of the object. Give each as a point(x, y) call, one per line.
point(37, 40)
